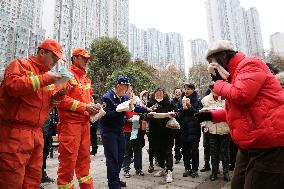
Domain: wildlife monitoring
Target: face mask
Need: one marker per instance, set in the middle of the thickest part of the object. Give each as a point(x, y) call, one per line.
point(159, 99)
point(145, 99)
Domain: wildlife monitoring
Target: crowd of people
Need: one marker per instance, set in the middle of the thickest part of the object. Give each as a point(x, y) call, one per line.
point(240, 118)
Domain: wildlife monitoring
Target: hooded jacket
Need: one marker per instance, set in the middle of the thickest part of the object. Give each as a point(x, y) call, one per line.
point(254, 105)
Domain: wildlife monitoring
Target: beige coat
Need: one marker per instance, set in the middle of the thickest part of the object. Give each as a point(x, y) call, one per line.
point(217, 128)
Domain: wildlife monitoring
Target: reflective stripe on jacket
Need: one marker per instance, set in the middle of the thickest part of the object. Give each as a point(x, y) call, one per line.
point(25, 93)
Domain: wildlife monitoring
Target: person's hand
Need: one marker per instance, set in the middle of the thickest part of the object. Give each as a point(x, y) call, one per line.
point(216, 77)
point(149, 110)
point(154, 107)
point(150, 115)
point(63, 91)
point(203, 116)
point(93, 108)
point(172, 114)
point(204, 129)
point(188, 105)
point(54, 76)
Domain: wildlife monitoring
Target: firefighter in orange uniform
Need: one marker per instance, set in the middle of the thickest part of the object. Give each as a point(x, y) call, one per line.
point(74, 128)
point(26, 97)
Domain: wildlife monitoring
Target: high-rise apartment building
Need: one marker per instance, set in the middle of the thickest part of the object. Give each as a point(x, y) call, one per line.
point(21, 28)
point(226, 19)
point(196, 50)
point(155, 47)
point(78, 22)
point(277, 43)
point(253, 33)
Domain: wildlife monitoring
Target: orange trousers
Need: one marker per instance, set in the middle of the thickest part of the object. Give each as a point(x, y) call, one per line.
point(21, 151)
point(74, 149)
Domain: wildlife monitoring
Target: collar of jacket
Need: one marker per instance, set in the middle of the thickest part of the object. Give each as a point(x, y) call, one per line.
point(233, 64)
point(39, 64)
point(78, 71)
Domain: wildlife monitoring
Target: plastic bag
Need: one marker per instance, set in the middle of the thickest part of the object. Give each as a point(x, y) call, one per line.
point(97, 116)
point(125, 106)
point(135, 127)
point(66, 75)
point(173, 124)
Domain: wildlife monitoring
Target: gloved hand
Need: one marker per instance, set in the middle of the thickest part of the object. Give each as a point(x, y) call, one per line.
point(203, 116)
point(216, 77)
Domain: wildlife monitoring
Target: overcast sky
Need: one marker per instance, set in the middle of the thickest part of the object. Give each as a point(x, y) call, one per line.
point(187, 17)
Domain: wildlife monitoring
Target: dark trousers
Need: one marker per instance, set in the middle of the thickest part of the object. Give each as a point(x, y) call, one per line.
point(114, 147)
point(163, 142)
point(259, 169)
point(178, 144)
point(219, 148)
point(94, 138)
point(131, 149)
point(165, 157)
point(151, 149)
point(233, 152)
point(206, 147)
point(190, 150)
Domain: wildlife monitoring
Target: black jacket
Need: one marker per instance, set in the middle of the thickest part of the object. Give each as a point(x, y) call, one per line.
point(160, 134)
point(190, 127)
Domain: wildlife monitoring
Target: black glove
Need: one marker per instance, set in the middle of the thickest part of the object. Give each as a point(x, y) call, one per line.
point(203, 116)
point(216, 77)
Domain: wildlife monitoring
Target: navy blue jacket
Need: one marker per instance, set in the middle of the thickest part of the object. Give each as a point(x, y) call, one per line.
point(113, 121)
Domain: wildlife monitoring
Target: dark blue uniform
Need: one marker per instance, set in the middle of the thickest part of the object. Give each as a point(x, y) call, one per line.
point(113, 137)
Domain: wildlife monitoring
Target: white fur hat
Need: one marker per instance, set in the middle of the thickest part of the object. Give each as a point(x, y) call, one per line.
point(219, 46)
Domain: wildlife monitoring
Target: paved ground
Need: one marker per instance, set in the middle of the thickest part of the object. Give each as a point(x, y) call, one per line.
point(98, 171)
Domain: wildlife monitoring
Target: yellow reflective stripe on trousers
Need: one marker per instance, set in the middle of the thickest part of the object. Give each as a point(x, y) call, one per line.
point(74, 105)
point(66, 186)
point(84, 179)
point(35, 82)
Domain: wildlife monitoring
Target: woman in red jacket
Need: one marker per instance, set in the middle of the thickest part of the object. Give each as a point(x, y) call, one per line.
point(254, 112)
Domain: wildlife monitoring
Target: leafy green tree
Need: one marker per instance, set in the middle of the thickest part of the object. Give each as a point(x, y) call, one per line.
point(139, 78)
point(110, 55)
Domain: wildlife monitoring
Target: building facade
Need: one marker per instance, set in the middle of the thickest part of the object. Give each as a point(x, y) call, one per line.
point(155, 47)
point(196, 50)
point(21, 28)
point(277, 43)
point(226, 19)
point(78, 22)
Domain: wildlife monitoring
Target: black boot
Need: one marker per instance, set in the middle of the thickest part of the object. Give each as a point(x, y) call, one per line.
point(205, 168)
point(226, 177)
point(213, 176)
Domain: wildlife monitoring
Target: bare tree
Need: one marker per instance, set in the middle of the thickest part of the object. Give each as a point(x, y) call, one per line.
point(200, 77)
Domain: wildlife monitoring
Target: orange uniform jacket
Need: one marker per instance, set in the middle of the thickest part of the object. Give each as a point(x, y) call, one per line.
point(72, 108)
point(26, 95)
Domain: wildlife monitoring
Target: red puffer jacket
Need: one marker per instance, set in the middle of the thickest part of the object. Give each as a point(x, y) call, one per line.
point(254, 104)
